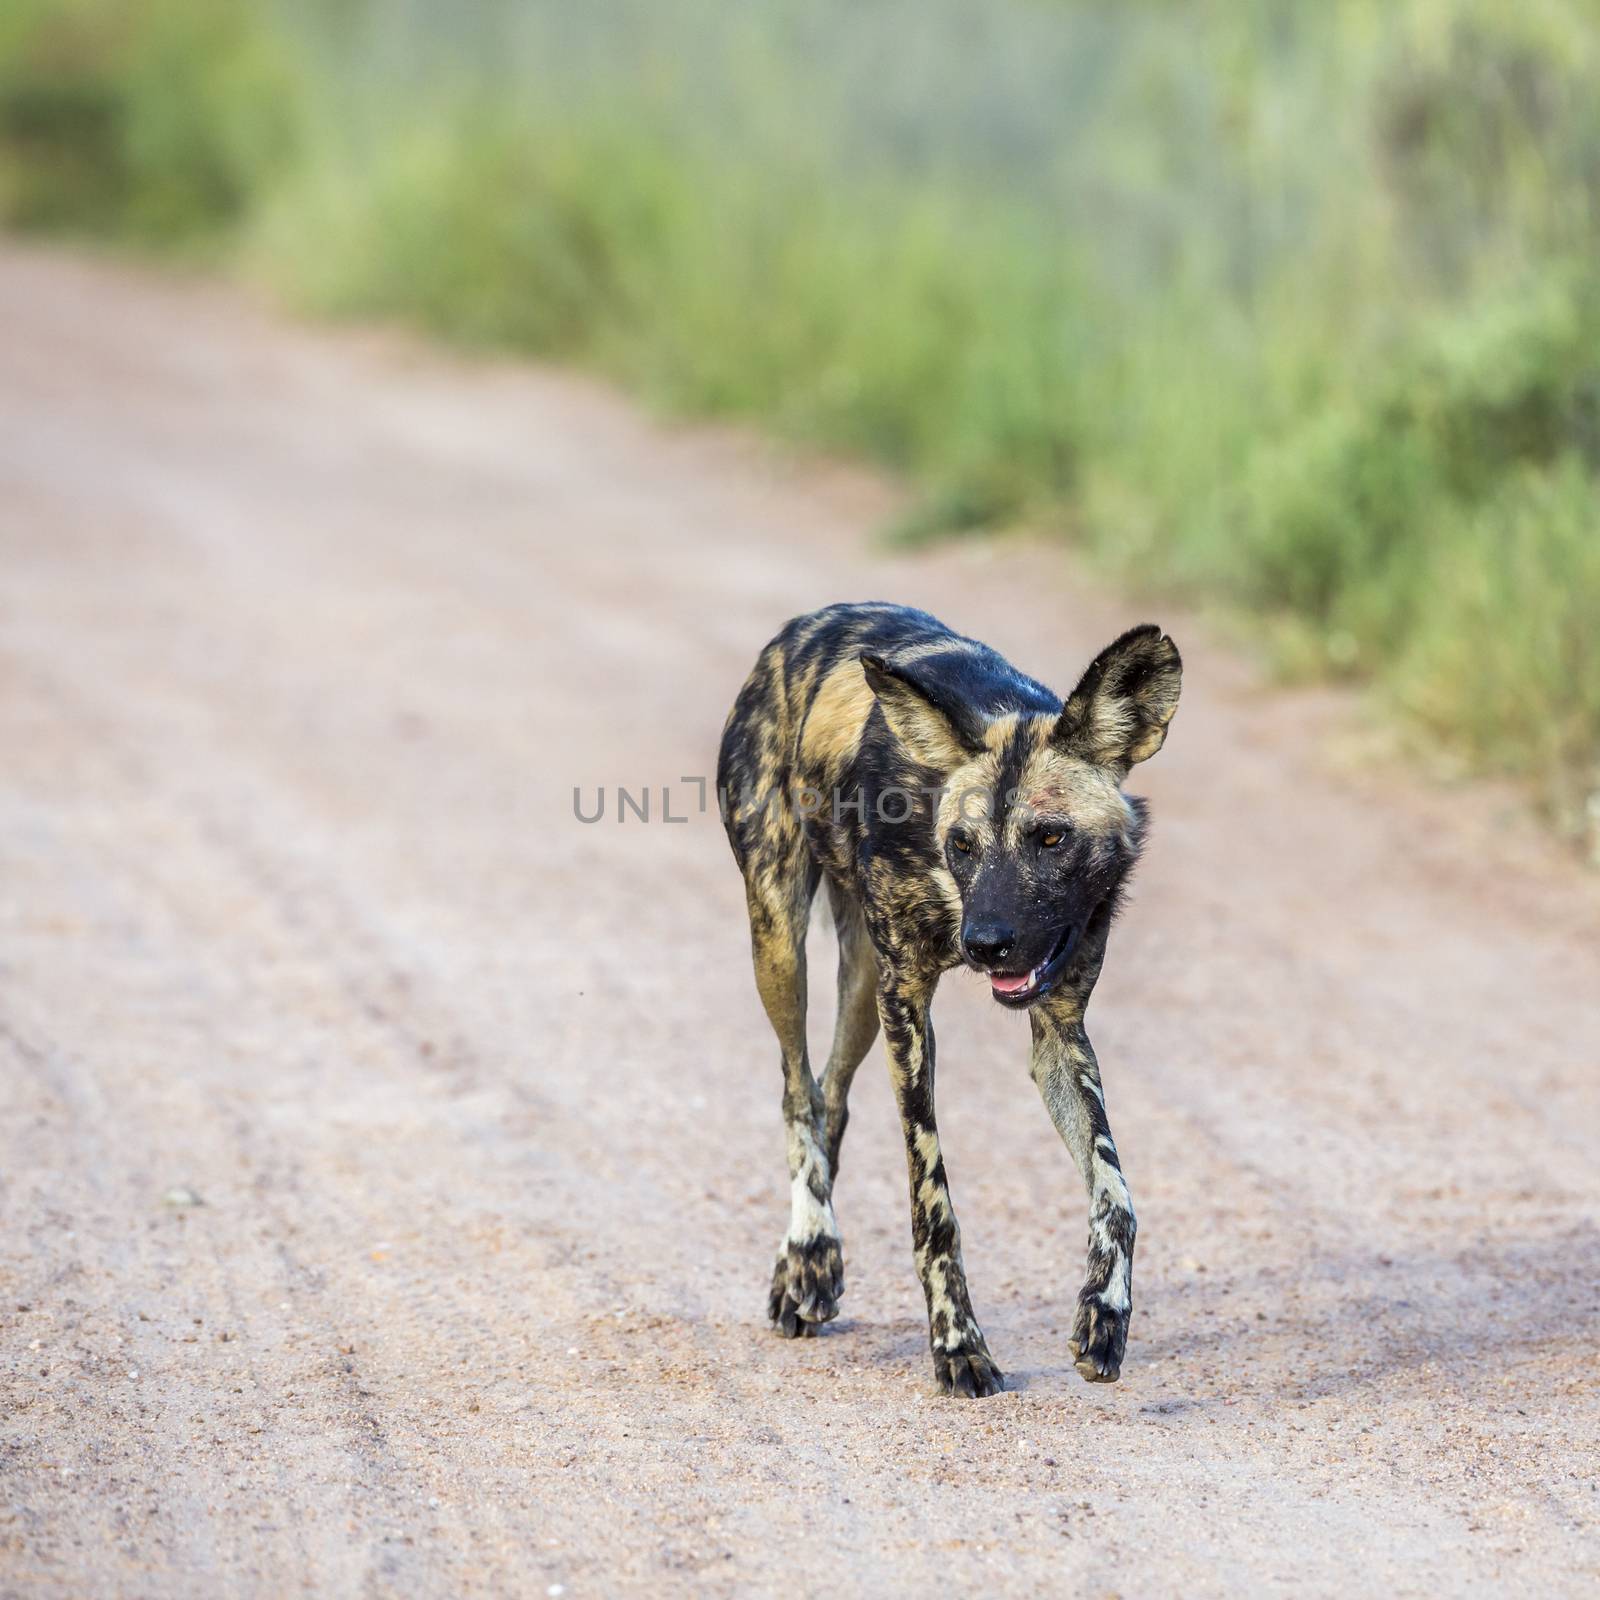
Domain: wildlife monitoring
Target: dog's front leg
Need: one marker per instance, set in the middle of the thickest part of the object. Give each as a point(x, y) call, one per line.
point(1068, 1076)
point(961, 1359)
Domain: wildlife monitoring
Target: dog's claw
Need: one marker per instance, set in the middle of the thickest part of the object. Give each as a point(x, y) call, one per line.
point(968, 1371)
point(1099, 1339)
point(807, 1282)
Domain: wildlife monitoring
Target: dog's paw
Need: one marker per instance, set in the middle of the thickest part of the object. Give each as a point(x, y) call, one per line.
point(807, 1281)
point(968, 1370)
point(1099, 1338)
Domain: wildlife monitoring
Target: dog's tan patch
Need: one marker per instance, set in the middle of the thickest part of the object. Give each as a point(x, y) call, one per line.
point(832, 731)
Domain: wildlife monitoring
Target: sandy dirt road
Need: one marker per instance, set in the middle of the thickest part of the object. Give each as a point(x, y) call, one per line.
point(305, 641)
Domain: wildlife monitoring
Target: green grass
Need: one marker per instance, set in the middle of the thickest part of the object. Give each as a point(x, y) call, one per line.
point(1289, 307)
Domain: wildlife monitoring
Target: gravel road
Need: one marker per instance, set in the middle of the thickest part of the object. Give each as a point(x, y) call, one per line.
point(391, 1164)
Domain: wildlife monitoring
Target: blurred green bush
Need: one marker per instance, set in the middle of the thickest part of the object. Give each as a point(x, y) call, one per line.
point(1291, 306)
point(159, 123)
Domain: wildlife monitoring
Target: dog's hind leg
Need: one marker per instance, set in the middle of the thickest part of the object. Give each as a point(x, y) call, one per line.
point(856, 1024)
point(808, 1276)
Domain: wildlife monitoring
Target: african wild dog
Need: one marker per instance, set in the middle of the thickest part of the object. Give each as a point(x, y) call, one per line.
point(959, 813)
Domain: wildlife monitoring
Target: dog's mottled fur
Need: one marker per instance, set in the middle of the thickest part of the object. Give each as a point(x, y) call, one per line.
point(958, 812)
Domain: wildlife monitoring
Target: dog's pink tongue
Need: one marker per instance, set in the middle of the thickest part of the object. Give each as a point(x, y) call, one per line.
point(1008, 985)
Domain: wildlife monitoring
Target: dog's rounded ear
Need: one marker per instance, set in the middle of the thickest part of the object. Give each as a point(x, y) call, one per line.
point(1118, 714)
point(934, 728)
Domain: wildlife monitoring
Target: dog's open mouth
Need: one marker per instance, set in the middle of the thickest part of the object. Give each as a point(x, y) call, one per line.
point(1024, 988)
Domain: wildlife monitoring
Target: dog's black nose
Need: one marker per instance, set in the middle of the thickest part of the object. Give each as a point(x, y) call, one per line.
point(987, 943)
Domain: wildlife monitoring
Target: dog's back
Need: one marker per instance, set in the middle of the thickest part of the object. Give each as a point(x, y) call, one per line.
point(806, 710)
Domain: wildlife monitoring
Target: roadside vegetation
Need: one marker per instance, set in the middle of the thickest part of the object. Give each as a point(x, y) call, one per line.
point(1293, 308)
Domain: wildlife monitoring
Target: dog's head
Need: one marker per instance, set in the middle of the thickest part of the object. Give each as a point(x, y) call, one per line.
point(1032, 823)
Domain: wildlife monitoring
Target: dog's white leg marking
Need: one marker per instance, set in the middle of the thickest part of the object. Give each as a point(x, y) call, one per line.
point(810, 1187)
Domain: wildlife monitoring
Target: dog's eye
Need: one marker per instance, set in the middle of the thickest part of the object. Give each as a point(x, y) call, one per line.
point(1052, 839)
point(962, 843)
